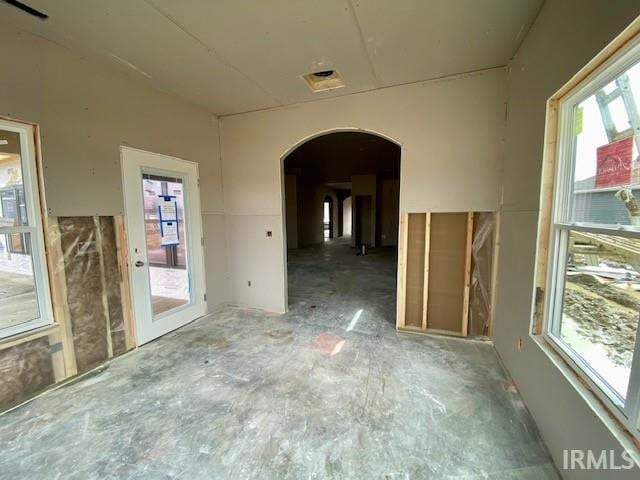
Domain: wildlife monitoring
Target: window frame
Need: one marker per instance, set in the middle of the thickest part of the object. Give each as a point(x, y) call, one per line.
point(559, 227)
point(34, 227)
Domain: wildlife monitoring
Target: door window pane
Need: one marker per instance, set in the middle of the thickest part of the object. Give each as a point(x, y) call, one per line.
point(18, 300)
point(166, 242)
point(601, 304)
point(606, 171)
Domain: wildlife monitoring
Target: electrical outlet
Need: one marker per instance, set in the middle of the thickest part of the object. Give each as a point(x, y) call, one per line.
point(269, 233)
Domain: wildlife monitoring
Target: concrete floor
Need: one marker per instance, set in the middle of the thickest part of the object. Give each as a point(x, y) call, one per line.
point(244, 394)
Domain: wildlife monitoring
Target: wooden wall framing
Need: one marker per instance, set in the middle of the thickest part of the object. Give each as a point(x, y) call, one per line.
point(52, 350)
point(434, 272)
point(84, 333)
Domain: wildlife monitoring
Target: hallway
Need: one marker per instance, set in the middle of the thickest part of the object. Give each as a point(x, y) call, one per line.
point(335, 287)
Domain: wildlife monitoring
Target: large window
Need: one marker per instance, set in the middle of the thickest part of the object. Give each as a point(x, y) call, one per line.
point(24, 292)
point(593, 303)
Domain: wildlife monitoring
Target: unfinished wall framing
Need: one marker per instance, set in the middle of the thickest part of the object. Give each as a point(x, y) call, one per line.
point(86, 260)
point(446, 272)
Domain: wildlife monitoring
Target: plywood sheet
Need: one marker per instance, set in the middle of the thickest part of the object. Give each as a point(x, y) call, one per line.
point(414, 289)
point(447, 261)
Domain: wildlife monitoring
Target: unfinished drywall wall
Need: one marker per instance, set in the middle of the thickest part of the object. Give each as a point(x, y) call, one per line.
point(92, 326)
point(346, 217)
point(450, 130)
point(85, 111)
point(388, 212)
point(364, 186)
point(565, 36)
point(310, 213)
point(291, 211)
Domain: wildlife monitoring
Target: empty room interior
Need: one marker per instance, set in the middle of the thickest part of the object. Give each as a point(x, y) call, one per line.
point(351, 239)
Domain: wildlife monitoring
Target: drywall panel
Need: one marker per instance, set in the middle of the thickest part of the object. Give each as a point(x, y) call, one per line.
point(86, 111)
point(552, 52)
point(450, 130)
point(540, 68)
point(291, 211)
point(256, 261)
point(216, 276)
point(415, 39)
point(447, 260)
point(441, 125)
point(312, 36)
point(388, 212)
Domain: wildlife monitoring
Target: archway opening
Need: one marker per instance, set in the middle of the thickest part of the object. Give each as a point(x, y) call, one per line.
point(341, 194)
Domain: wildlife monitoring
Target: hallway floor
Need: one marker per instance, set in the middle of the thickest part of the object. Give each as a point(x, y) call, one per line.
point(314, 394)
point(362, 289)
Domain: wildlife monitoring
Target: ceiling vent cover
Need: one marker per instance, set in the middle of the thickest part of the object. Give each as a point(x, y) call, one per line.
point(323, 80)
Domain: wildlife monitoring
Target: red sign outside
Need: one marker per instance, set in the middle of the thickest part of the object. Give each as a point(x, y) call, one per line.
point(614, 163)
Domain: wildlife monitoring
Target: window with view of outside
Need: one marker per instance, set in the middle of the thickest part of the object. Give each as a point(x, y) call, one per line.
point(23, 293)
point(594, 305)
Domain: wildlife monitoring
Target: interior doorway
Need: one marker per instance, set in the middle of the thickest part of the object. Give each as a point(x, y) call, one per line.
point(342, 192)
point(162, 211)
point(327, 218)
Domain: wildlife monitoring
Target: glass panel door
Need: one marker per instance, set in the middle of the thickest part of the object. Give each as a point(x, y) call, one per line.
point(165, 240)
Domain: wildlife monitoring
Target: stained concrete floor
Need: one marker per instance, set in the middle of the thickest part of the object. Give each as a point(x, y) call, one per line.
point(244, 394)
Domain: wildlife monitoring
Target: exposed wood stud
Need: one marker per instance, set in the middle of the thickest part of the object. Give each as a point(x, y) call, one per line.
point(125, 290)
point(103, 285)
point(427, 241)
point(494, 272)
point(46, 331)
point(402, 271)
point(58, 288)
point(467, 275)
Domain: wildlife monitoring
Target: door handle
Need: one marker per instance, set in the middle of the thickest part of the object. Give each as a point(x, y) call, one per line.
point(139, 263)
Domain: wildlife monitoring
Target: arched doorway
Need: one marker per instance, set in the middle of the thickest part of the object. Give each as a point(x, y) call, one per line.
point(341, 204)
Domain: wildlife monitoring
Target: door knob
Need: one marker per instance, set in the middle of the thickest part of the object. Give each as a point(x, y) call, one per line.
point(139, 263)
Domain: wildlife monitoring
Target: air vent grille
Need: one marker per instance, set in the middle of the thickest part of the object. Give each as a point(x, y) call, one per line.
point(323, 80)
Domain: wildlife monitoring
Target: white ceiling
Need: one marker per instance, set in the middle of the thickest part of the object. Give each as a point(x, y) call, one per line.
point(233, 56)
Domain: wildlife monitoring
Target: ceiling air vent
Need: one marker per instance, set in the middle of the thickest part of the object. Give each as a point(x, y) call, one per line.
point(27, 9)
point(323, 80)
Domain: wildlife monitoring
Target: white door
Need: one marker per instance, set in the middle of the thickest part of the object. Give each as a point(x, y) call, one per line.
point(164, 232)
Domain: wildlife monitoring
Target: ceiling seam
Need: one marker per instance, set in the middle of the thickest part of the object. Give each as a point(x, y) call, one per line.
point(363, 43)
point(213, 52)
point(526, 31)
point(441, 78)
